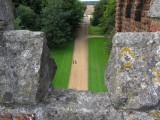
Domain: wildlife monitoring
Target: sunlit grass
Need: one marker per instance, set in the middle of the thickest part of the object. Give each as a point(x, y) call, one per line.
point(94, 30)
point(63, 57)
point(98, 58)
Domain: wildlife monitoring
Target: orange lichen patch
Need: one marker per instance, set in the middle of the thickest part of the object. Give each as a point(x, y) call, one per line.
point(154, 69)
point(127, 57)
point(156, 81)
point(154, 114)
point(156, 72)
point(125, 50)
point(128, 64)
point(121, 71)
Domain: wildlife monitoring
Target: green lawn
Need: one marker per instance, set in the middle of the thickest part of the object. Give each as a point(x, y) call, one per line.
point(94, 30)
point(63, 58)
point(97, 64)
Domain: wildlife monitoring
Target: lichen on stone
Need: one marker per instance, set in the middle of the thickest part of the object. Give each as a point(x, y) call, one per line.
point(127, 56)
point(154, 114)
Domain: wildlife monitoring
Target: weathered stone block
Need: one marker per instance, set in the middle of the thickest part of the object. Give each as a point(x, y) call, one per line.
point(26, 67)
point(6, 13)
point(75, 105)
point(69, 105)
point(154, 9)
point(133, 75)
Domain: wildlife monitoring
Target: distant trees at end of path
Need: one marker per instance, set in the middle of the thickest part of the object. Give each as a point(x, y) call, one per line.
point(59, 19)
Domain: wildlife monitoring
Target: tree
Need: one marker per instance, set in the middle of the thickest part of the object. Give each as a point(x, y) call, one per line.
point(21, 2)
point(107, 21)
point(27, 17)
point(36, 5)
point(60, 18)
point(100, 7)
point(76, 10)
point(29, 14)
point(54, 23)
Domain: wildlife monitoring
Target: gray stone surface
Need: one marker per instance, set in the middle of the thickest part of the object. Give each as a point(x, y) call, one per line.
point(67, 105)
point(154, 10)
point(74, 105)
point(134, 115)
point(26, 68)
point(6, 13)
point(133, 75)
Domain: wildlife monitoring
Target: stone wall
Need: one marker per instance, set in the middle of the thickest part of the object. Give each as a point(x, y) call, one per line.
point(6, 15)
point(138, 15)
point(75, 105)
point(26, 67)
point(133, 77)
point(26, 71)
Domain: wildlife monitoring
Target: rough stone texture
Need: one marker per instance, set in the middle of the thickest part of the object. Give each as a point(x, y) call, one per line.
point(74, 105)
point(133, 115)
point(133, 75)
point(6, 14)
point(154, 10)
point(137, 15)
point(26, 68)
point(17, 117)
point(67, 105)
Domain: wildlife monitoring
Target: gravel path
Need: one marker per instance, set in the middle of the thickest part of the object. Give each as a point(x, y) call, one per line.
point(79, 70)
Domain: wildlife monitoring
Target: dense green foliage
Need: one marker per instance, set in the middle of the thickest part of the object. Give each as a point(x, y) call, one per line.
point(36, 5)
point(97, 64)
point(29, 14)
point(59, 19)
point(27, 17)
point(17, 23)
point(55, 25)
point(104, 16)
point(98, 12)
point(21, 2)
point(107, 21)
point(63, 57)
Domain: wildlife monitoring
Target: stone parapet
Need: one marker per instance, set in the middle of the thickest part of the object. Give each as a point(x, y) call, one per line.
point(133, 75)
point(75, 105)
point(26, 67)
point(154, 10)
point(6, 14)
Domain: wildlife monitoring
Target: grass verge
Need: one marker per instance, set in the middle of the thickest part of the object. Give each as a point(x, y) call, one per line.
point(94, 30)
point(98, 58)
point(63, 57)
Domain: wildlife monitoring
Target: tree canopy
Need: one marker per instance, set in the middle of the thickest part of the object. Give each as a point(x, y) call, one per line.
point(59, 19)
point(107, 21)
point(104, 15)
point(98, 12)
